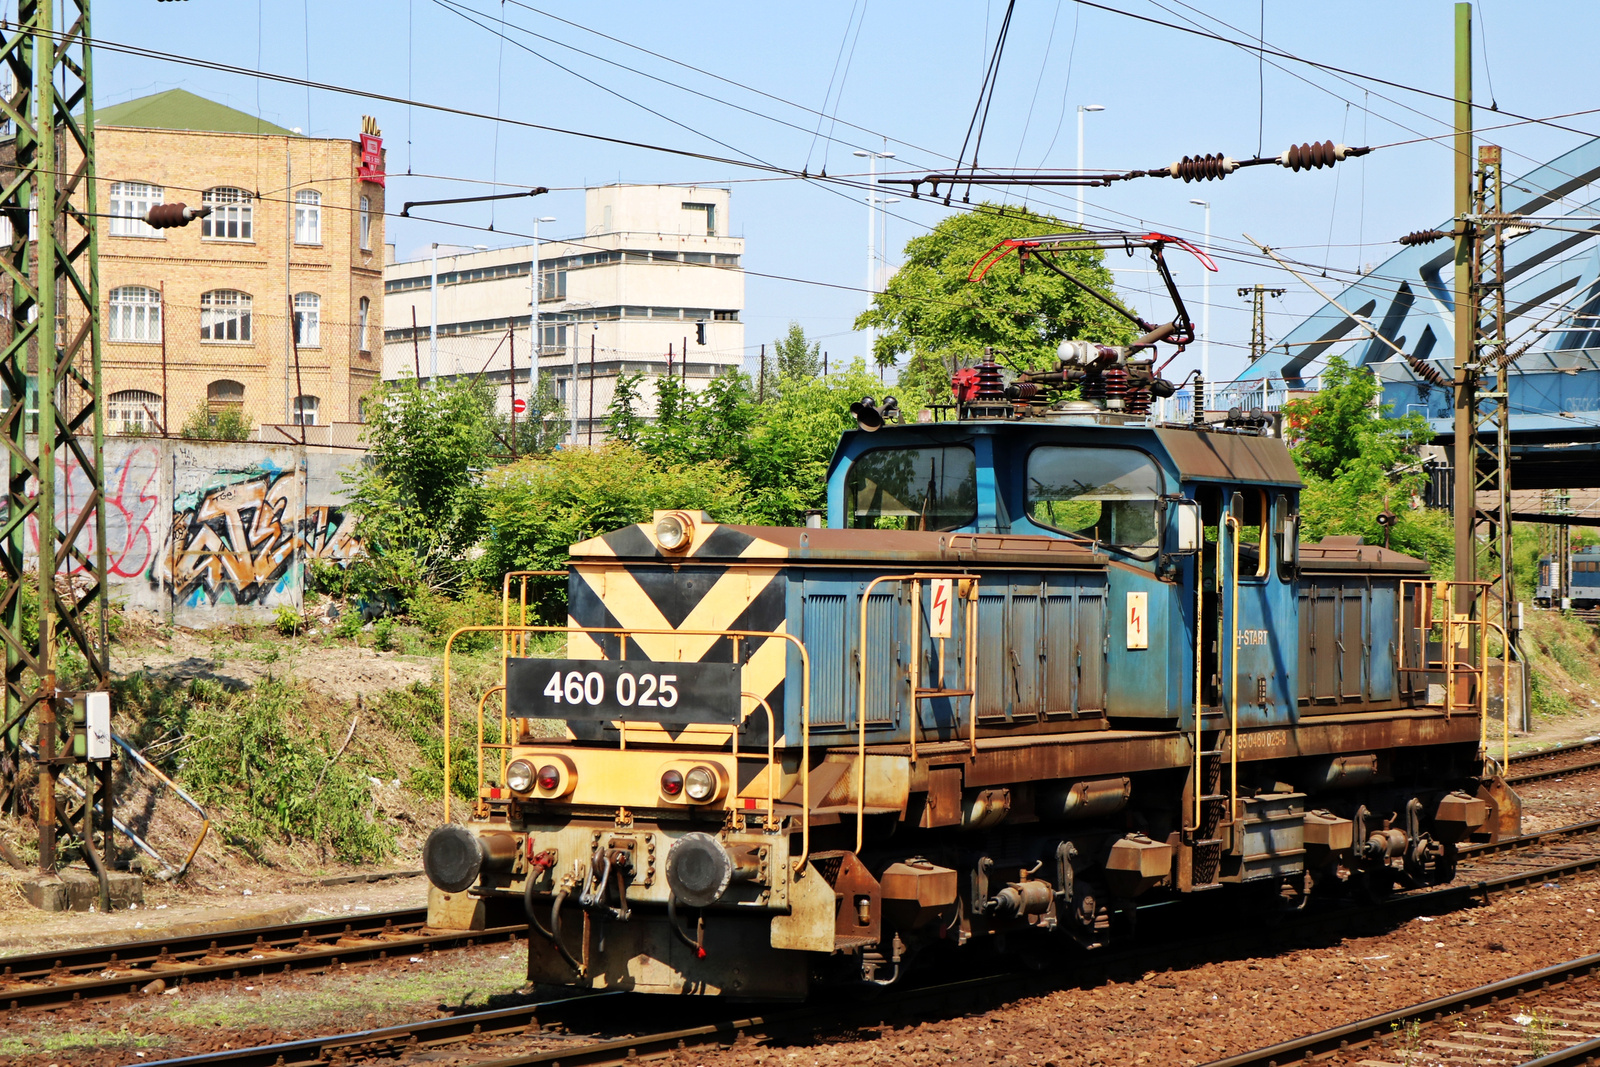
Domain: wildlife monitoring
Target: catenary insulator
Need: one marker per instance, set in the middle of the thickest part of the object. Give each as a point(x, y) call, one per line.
point(1423, 237)
point(1203, 168)
point(1317, 154)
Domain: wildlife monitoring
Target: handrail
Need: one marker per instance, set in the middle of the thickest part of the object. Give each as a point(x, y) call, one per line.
point(1199, 673)
point(1233, 667)
point(772, 752)
point(482, 702)
point(805, 696)
point(505, 607)
point(915, 719)
point(1505, 697)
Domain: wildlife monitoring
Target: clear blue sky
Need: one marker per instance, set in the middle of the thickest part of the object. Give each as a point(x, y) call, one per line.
point(908, 72)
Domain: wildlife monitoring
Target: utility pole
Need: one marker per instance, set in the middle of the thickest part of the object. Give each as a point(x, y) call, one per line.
point(433, 319)
point(1466, 393)
point(53, 345)
point(1258, 294)
point(872, 233)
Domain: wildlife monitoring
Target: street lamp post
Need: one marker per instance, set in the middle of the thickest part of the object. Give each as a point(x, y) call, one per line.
point(533, 326)
point(1205, 311)
point(1081, 109)
point(872, 227)
point(433, 319)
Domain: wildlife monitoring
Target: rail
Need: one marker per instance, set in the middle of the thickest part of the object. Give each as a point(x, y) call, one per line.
point(508, 633)
point(1468, 628)
point(969, 585)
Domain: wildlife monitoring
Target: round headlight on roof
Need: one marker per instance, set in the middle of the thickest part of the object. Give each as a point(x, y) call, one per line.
point(673, 532)
point(519, 776)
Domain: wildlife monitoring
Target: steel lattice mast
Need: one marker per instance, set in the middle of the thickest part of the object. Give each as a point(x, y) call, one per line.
point(50, 373)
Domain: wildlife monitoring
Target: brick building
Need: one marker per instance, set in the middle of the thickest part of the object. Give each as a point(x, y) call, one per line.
point(201, 319)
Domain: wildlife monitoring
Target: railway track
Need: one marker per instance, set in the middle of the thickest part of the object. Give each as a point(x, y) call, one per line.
point(1545, 1017)
point(106, 972)
point(541, 1024)
point(1562, 765)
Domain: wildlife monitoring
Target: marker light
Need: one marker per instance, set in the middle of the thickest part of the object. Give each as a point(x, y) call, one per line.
point(549, 777)
point(519, 776)
point(672, 783)
point(699, 783)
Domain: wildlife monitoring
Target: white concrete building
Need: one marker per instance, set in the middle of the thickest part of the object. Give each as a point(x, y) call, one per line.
point(630, 296)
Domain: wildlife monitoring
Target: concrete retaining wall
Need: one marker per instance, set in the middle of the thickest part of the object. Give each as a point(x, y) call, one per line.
point(207, 533)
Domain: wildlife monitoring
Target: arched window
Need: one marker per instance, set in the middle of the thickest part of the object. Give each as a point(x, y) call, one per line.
point(129, 202)
point(363, 308)
point(305, 410)
point(308, 217)
point(230, 214)
point(135, 314)
point(224, 315)
point(132, 411)
point(224, 394)
point(308, 320)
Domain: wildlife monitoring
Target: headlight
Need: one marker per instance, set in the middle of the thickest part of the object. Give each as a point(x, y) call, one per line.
point(699, 783)
point(519, 776)
point(672, 532)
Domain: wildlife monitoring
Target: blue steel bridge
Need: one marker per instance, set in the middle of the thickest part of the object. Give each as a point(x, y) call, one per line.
point(1552, 309)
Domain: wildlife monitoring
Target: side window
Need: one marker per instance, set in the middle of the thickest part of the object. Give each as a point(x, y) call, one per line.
point(1253, 540)
point(1286, 530)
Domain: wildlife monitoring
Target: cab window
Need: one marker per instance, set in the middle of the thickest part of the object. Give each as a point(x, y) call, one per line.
point(1102, 494)
point(912, 489)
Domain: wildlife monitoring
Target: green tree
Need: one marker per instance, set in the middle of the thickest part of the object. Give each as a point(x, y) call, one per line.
point(419, 498)
point(931, 304)
point(1357, 463)
point(795, 356)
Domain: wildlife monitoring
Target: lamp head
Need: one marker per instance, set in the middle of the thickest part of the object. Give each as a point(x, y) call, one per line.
point(1200, 203)
point(1091, 107)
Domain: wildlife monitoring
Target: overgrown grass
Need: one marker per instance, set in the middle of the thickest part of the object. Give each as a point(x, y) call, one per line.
point(259, 756)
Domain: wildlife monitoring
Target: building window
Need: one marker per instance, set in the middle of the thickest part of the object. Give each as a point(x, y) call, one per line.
point(308, 217)
point(224, 315)
point(361, 410)
point(305, 410)
point(129, 202)
point(552, 284)
point(132, 411)
point(230, 214)
point(710, 211)
point(307, 320)
point(552, 338)
point(362, 310)
point(366, 225)
point(224, 395)
point(135, 314)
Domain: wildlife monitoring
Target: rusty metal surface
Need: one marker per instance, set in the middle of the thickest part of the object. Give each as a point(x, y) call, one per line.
point(1003, 760)
point(1347, 554)
point(1228, 458)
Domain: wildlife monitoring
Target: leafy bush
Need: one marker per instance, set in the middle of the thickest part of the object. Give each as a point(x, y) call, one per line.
point(440, 616)
point(203, 424)
point(539, 507)
point(349, 625)
point(287, 620)
point(417, 713)
point(383, 634)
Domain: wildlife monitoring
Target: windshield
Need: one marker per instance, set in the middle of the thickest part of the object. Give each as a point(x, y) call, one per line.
point(1104, 494)
point(912, 489)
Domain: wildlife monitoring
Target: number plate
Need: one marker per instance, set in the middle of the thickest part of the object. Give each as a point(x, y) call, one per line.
point(634, 690)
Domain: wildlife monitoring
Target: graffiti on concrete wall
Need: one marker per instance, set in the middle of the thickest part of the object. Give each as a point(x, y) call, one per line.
point(242, 542)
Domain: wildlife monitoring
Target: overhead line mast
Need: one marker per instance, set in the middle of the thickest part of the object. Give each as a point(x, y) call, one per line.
point(50, 372)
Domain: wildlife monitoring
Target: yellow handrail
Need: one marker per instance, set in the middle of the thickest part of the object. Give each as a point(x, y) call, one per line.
point(1199, 671)
point(482, 702)
point(805, 696)
point(1505, 697)
point(1233, 669)
point(915, 718)
point(772, 750)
